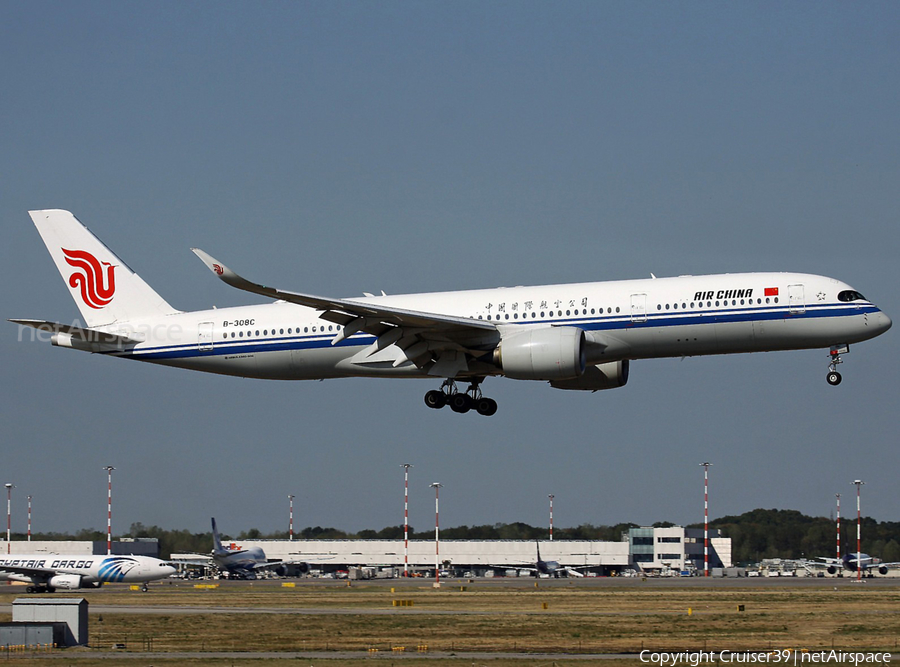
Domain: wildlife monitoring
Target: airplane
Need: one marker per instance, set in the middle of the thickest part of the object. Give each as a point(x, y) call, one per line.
point(579, 336)
point(246, 563)
point(46, 572)
point(550, 568)
point(853, 561)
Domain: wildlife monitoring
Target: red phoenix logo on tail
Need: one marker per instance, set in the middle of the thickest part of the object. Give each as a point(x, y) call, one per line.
point(94, 292)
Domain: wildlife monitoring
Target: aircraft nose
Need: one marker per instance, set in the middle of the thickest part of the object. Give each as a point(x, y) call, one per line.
point(881, 322)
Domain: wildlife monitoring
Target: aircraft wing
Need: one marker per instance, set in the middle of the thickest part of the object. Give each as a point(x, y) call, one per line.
point(435, 342)
point(27, 571)
point(38, 575)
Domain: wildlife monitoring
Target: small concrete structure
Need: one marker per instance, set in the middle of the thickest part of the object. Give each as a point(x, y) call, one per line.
point(33, 634)
point(71, 611)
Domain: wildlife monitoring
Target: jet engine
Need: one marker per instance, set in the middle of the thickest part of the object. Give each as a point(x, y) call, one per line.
point(831, 569)
point(547, 353)
point(882, 570)
point(67, 581)
point(602, 376)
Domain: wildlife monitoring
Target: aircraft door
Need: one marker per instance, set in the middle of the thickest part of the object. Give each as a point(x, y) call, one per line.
point(638, 307)
point(205, 336)
point(796, 299)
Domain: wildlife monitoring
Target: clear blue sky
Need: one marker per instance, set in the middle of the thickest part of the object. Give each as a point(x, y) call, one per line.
point(342, 147)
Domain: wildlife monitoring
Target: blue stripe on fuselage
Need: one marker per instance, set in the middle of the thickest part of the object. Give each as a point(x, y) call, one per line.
point(619, 321)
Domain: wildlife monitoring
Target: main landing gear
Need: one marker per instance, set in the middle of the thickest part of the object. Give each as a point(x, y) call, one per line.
point(461, 402)
point(833, 377)
point(40, 589)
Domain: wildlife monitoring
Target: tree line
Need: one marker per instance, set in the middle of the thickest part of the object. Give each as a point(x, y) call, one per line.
point(754, 535)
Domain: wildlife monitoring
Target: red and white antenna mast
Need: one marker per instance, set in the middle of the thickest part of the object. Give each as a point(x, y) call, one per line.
point(109, 470)
point(705, 466)
point(858, 483)
point(29, 518)
point(551, 497)
point(838, 496)
point(406, 467)
point(9, 488)
point(290, 516)
point(437, 541)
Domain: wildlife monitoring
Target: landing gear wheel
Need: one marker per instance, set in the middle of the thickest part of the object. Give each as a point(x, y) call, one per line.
point(834, 378)
point(29, 589)
point(461, 403)
point(145, 588)
point(486, 406)
point(435, 399)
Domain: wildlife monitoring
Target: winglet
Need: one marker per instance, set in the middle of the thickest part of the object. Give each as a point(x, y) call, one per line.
point(228, 276)
point(216, 266)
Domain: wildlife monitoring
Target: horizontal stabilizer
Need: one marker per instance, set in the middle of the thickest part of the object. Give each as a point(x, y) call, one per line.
point(89, 335)
point(89, 340)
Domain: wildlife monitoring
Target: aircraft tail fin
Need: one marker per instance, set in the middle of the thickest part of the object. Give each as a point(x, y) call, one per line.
point(105, 289)
point(217, 540)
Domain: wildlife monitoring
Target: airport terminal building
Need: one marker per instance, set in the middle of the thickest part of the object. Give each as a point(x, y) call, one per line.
point(642, 550)
point(650, 550)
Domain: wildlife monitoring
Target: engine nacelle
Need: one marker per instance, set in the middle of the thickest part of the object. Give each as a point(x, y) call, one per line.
point(67, 581)
point(882, 570)
point(831, 569)
point(602, 376)
point(547, 353)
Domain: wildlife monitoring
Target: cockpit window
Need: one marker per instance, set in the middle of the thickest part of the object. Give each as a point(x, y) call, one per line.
point(850, 295)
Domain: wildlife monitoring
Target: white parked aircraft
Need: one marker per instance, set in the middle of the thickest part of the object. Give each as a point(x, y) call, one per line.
point(46, 572)
point(853, 561)
point(577, 336)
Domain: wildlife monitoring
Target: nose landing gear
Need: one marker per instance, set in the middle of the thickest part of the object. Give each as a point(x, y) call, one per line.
point(833, 377)
point(461, 402)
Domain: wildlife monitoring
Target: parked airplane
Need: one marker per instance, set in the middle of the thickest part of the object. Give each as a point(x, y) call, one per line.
point(577, 336)
point(550, 568)
point(47, 572)
point(853, 561)
point(246, 563)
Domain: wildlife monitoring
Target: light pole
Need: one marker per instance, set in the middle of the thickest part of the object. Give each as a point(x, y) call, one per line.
point(291, 517)
point(406, 467)
point(29, 518)
point(705, 466)
point(551, 497)
point(9, 488)
point(437, 550)
point(838, 496)
point(108, 470)
point(858, 483)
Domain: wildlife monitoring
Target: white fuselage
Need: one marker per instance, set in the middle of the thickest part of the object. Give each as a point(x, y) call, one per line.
point(77, 571)
point(634, 319)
